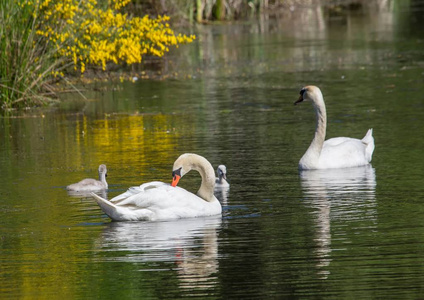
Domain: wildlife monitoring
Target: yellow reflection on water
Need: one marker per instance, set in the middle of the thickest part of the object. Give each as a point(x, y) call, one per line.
point(138, 142)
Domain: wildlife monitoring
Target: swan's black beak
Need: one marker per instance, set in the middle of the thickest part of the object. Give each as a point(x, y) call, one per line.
point(176, 175)
point(299, 100)
point(302, 92)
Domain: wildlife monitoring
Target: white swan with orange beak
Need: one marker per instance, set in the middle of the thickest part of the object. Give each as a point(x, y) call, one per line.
point(154, 201)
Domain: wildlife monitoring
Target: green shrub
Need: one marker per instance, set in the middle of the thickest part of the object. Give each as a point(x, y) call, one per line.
point(42, 39)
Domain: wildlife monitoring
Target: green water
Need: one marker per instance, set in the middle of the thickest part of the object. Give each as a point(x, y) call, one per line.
point(335, 234)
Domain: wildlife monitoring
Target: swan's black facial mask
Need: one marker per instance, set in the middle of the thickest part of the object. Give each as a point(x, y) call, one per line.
point(302, 91)
point(176, 172)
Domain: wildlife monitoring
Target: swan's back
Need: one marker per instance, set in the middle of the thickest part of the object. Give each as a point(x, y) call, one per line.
point(344, 152)
point(136, 190)
point(349, 153)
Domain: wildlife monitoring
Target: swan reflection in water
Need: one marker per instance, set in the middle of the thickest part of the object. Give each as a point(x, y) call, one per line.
point(191, 245)
point(86, 194)
point(337, 195)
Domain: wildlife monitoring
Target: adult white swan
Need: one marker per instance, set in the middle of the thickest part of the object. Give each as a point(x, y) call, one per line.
point(89, 184)
point(160, 201)
point(341, 152)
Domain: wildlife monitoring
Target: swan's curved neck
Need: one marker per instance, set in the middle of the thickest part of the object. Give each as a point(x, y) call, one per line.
point(207, 172)
point(208, 182)
point(315, 148)
point(190, 161)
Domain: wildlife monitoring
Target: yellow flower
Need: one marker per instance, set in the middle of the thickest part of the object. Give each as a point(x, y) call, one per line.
point(87, 33)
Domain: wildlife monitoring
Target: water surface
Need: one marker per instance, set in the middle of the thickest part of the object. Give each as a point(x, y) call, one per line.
point(356, 233)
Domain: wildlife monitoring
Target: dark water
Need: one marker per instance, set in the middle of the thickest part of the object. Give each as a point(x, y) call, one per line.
point(356, 233)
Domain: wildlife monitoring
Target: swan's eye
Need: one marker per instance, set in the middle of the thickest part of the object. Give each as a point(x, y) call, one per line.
point(176, 172)
point(302, 91)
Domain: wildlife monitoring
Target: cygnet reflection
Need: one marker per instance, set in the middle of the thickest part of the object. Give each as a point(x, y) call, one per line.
point(86, 194)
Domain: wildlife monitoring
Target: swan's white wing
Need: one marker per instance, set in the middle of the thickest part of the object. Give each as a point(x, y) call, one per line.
point(122, 213)
point(343, 153)
point(343, 147)
point(136, 190)
point(141, 198)
point(131, 191)
point(152, 184)
point(348, 152)
point(176, 203)
point(336, 141)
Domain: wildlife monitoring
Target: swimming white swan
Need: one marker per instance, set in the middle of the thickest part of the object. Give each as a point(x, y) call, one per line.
point(160, 201)
point(341, 152)
point(89, 184)
point(221, 181)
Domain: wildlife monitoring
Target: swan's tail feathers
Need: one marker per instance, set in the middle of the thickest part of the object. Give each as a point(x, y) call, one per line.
point(368, 140)
point(108, 208)
point(368, 137)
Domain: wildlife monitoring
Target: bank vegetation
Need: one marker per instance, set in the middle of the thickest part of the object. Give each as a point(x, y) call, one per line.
point(46, 42)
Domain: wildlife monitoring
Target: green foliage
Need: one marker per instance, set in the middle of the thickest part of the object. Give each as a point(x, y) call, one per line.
point(43, 39)
point(24, 64)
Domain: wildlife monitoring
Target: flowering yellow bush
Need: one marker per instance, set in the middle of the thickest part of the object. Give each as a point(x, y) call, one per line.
point(87, 32)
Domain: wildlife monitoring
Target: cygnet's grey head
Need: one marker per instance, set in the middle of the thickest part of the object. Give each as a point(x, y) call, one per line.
point(222, 172)
point(102, 171)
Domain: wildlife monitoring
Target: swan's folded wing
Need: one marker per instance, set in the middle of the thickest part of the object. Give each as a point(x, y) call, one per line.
point(344, 148)
point(350, 153)
point(134, 190)
point(130, 192)
point(152, 185)
point(122, 213)
point(147, 196)
point(337, 141)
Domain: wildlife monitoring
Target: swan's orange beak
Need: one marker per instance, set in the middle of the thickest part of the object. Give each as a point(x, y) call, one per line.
point(175, 180)
point(176, 175)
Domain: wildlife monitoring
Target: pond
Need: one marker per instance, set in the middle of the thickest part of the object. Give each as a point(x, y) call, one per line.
point(348, 233)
